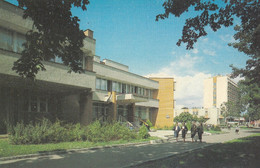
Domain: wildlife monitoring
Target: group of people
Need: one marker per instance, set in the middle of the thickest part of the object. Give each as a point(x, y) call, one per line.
point(195, 129)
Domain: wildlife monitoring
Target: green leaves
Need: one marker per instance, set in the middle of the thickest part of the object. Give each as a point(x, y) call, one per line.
point(56, 34)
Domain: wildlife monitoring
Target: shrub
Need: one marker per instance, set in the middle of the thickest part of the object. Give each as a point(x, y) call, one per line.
point(143, 132)
point(45, 132)
point(216, 128)
point(188, 124)
point(96, 132)
point(149, 123)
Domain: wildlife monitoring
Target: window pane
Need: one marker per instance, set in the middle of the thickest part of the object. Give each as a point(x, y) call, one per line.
point(20, 39)
point(103, 84)
point(123, 88)
point(98, 83)
point(127, 89)
point(33, 106)
point(6, 40)
point(119, 89)
point(114, 86)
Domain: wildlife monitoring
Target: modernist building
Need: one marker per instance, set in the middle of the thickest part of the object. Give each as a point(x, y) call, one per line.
point(123, 95)
point(105, 90)
point(218, 90)
point(166, 101)
point(55, 93)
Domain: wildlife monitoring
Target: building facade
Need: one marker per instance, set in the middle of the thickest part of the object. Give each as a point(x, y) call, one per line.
point(218, 90)
point(122, 95)
point(106, 90)
point(55, 92)
point(165, 96)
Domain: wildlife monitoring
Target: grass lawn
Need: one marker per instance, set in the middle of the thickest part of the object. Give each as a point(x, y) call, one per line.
point(6, 149)
point(242, 153)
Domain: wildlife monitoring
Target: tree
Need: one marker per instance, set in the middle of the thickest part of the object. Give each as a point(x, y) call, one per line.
point(217, 15)
point(184, 117)
point(56, 33)
point(250, 98)
point(230, 109)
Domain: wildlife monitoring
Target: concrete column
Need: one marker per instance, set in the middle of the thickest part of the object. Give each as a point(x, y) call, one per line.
point(131, 112)
point(147, 113)
point(89, 63)
point(113, 107)
point(86, 108)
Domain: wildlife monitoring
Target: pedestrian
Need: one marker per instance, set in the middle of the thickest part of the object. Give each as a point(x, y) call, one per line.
point(184, 131)
point(193, 131)
point(176, 130)
point(237, 129)
point(200, 131)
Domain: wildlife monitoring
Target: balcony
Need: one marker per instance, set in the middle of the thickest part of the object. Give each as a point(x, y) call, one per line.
point(55, 73)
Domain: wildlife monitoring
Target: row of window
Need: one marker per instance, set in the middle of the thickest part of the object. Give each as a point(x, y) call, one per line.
point(108, 85)
point(11, 41)
point(36, 104)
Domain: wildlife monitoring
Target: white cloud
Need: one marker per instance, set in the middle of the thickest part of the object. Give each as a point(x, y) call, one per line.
point(195, 51)
point(228, 38)
point(209, 52)
point(189, 81)
point(173, 53)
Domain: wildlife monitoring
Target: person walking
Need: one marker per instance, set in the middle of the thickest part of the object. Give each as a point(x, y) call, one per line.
point(176, 130)
point(237, 130)
point(193, 130)
point(200, 131)
point(184, 131)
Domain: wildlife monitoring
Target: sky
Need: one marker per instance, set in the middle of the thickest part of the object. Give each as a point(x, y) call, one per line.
point(126, 32)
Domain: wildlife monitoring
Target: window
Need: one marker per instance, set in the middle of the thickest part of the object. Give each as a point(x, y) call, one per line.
point(139, 91)
point(103, 84)
point(36, 104)
point(109, 85)
point(123, 88)
point(127, 88)
point(116, 86)
point(98, 83)
point(6, 39)
point(20, 39)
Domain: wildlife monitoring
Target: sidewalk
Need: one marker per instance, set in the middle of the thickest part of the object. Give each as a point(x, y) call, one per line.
point(122, 156)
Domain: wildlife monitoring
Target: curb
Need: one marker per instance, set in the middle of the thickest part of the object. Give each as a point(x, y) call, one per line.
point(65, 151)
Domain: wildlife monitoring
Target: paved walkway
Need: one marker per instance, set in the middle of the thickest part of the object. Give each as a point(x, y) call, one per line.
point(124, 156)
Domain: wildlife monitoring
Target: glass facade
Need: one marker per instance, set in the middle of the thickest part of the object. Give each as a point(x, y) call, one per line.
point(108, 85)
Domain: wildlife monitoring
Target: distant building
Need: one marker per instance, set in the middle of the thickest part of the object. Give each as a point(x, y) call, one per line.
point(219, 89)
point(212, 115)
point(165, 96)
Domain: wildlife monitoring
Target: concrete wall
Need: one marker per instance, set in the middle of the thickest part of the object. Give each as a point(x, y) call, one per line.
point(115, 65)
point(222, 92)
point(166, 102)
point(55, 73)
point(208, 93)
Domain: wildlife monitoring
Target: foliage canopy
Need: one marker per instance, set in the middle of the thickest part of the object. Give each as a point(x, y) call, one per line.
point(56, 33)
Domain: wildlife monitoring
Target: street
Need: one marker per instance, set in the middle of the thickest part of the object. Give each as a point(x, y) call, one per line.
point(119, 156)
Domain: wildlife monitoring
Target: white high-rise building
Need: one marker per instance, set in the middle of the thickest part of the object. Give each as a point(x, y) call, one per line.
point(219, 89)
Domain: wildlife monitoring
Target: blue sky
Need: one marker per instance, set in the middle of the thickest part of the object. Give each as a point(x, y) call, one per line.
point(126, 32)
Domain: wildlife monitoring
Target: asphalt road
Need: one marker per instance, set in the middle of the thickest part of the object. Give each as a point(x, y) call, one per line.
point(118, 157)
